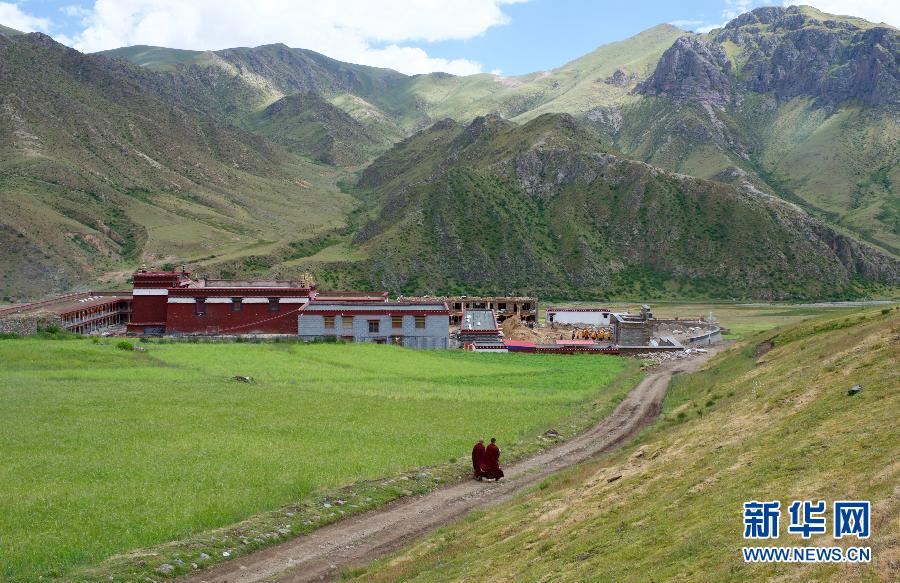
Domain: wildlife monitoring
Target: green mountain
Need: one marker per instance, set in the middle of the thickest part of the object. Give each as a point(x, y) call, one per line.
point(800, 103)
point(308, 124)
point(101, 169)
point(8, 31)
point(546, 207)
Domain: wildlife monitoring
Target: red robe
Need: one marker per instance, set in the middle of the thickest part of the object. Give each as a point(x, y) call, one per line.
point(477, 458)
point(490, 467)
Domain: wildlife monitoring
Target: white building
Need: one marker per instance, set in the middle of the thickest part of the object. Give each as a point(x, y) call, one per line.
point(580, 316)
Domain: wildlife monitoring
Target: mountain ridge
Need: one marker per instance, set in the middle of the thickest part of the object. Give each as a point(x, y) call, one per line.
point(283, 133)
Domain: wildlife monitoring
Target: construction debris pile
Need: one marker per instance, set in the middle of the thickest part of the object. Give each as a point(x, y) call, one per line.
point(660, 357)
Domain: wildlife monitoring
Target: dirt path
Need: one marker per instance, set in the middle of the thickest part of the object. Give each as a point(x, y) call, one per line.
point(358, 540)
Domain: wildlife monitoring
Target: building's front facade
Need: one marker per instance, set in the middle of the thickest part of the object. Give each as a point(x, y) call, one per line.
point(413, 325)
point(580, 316)
point(171, 303)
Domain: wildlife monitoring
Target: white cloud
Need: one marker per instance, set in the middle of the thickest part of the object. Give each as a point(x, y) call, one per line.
point(358, 31)
point(686, 24)
point(873, 10)
point(12, 16)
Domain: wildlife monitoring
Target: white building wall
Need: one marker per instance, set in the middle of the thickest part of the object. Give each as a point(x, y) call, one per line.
point(581, 318)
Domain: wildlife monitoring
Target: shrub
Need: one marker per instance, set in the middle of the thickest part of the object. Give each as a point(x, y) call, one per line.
point(124, 345)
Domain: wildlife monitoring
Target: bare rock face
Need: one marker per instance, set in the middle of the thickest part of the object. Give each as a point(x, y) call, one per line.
point(620, 78)
point(692, 68)
point(785, 52)
point(830, 61)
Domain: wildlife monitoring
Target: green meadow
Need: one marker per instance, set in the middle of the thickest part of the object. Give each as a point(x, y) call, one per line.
point(107, 450)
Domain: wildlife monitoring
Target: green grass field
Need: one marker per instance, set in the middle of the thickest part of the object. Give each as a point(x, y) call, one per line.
point(106, 450)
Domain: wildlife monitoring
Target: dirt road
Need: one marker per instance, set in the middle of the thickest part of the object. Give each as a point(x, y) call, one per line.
point(360, 539)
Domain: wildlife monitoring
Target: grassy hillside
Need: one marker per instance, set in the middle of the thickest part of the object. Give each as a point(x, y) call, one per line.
point(102, 168)
point(774, 425)
point(147, 447)
point(307, 124)
point(156, 58)
point(8, 31)
point(544, 208)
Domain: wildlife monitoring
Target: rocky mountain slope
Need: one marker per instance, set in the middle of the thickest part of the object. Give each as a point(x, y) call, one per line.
point(801, 103)
point(546, 207)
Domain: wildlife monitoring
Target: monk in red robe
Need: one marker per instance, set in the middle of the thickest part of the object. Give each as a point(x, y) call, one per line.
point(478, 459)
point(490, 467)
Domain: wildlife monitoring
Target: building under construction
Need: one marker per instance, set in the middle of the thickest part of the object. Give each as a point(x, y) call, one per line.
point(523, 307)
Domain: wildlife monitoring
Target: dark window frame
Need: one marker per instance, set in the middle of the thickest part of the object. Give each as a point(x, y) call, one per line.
point(199, 307)
point(274, 305)
point(237, 304)
point(376, 324)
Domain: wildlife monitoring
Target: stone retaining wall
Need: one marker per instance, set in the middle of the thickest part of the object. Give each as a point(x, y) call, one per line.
point(28, 323)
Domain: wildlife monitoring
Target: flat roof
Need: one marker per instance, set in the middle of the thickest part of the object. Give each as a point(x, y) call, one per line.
point(478, 320)
point(67, 303)
point(229, 283)
point(476, 298)
point(320, 306)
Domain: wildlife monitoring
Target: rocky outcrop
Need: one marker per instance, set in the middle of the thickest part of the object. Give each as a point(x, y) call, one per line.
point(694, 69)
point(786, 52)
point(833, 62)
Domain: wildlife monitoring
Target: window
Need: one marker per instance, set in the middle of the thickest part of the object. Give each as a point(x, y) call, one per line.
point(200, 307)
point(420, 322)
point(329, 321)
point(347, 321)
point(273, 305)
point(396, 321)
point(526, 306)
point(373, 326)
point(236, 304)
point(457, 306)
point(501, 306)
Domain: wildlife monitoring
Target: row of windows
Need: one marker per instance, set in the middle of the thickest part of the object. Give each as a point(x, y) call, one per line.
point(487, 306)
point(236, 306)
point(374, 325)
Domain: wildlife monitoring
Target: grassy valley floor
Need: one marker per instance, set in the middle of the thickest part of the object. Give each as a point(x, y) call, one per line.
point(768, 420)
point(106, 451)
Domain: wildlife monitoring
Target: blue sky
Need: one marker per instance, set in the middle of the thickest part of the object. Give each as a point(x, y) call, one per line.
point(460, 36)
